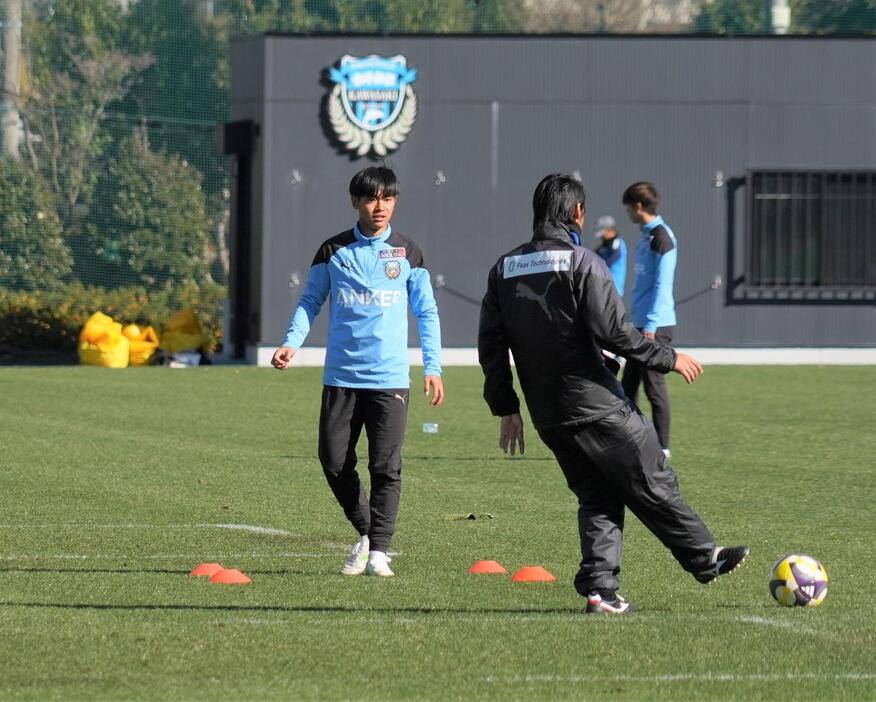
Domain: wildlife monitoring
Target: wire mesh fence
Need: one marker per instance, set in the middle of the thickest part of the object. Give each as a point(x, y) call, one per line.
point(112, 196)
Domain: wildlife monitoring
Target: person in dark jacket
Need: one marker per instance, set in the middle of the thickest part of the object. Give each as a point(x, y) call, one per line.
point(552, 303)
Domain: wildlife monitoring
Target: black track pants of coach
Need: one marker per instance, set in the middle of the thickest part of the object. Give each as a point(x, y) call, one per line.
point(655, 388)
point(617, 462)
point(383, 413)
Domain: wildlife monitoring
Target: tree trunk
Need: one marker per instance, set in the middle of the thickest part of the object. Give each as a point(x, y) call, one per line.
point(11, 124)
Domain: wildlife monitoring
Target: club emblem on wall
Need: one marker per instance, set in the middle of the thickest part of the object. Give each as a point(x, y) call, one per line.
point(372, 106)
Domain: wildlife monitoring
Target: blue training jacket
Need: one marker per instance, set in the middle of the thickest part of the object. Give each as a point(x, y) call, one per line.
point(614, 253)
point(652, 303)
point(369, 283)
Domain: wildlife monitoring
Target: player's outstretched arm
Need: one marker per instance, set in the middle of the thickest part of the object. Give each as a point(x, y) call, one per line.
point(605, 314)
point(511, 433)
point(687, 367)
point(432, 384)
point(282, 357)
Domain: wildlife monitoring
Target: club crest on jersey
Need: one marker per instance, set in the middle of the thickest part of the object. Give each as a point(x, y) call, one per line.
point(392, 269)
point(391, 253)
point(372, 106)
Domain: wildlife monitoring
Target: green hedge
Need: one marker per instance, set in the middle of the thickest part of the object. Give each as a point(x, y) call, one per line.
point(42, 320)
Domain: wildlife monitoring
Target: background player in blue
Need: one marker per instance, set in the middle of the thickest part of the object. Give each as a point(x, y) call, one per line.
point(369, 274)
point(652, 308)
point(613, 250)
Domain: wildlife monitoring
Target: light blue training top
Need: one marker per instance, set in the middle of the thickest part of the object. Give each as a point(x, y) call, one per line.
point(369, 282)
point(614, 253)
point(652, 302)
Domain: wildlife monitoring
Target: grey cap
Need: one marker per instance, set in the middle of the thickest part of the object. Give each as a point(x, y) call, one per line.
point(603, 223)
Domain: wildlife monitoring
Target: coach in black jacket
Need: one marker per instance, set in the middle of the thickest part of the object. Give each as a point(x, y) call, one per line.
point(553, 305)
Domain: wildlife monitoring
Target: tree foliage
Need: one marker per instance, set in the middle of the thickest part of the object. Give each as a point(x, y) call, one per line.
point(77, 70)
point(32, 251)
point(731, 17)
point(833, 16)
point(807, 16)
point(182, 84)
point(185, 92)
point(379, 16)
point(151, 226)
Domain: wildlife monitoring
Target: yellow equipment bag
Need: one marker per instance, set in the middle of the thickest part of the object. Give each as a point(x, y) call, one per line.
point(183, 333)
point(101, 342)
point(142, 344)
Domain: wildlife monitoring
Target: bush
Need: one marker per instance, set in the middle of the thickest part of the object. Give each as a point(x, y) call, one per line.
point(41, 320)
point(149, 224)
point(32, 252)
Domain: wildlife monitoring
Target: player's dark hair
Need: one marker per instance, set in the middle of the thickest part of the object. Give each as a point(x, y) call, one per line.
point(554, 200)
point(374, 180)
point(644, 193)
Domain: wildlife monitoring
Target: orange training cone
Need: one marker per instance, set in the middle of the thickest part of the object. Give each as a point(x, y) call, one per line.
point(230, 576)
point(208, 569)
point(486, 568)
point(532, 574)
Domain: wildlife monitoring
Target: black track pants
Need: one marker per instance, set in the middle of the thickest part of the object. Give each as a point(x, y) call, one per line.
point(655, 388)
point(383, 413)
point(613, 463)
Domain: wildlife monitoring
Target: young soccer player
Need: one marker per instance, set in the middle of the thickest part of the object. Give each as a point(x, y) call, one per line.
point(370, 274)
point(653, 307)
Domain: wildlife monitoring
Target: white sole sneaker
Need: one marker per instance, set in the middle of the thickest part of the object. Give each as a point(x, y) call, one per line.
point(596, 605)
point(356, 568)
point(379, 568)
point(358, 558)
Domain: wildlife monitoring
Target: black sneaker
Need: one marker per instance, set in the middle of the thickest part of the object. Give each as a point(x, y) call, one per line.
point(724, 560)
point(597, 605)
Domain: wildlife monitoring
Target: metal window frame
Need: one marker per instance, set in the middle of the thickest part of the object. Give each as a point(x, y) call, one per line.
point(770, 272)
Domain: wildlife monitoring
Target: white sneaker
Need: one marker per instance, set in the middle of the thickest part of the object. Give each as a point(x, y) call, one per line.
point(358, 558)
point(378, 564)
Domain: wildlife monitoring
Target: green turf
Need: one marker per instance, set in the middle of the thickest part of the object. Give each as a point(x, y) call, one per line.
point(110, 482)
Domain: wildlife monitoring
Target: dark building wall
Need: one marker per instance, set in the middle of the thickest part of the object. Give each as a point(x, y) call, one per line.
point(495, 114)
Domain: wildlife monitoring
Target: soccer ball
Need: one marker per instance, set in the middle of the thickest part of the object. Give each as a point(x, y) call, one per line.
point(798, 581)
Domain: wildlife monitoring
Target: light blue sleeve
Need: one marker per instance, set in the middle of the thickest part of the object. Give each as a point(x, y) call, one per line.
point(661, 290)
point(316, 290)
point(619, 268)
point(425, 309)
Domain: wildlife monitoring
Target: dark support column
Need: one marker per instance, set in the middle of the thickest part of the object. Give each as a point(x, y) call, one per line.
point(238, 139)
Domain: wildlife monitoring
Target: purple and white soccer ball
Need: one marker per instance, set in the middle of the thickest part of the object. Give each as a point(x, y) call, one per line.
point(798, 581)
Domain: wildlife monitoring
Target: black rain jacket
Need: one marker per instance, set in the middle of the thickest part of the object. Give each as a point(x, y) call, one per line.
point(553, 304)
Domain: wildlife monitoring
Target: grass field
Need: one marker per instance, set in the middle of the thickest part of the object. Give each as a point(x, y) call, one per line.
point(113, 484)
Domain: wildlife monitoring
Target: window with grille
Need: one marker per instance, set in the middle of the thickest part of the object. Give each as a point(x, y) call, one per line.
point(811, 235)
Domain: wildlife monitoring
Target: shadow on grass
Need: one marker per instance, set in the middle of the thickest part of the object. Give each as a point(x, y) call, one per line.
point(133, 571)
point(455, 459)
point(290, 609)
point(161, 571)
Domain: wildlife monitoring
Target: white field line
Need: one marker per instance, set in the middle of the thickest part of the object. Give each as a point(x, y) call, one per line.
point(368, 617)
point(749, 619)
point(156, 556)
point(251, 528)
point(424, 618)
point(673, 677)
point(248, 527)
point(171, 556)
point(239, 527)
